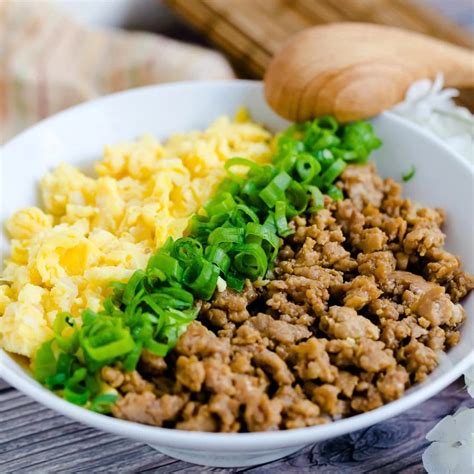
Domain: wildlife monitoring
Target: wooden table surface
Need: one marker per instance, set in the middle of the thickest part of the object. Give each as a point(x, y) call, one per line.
point(34, 439)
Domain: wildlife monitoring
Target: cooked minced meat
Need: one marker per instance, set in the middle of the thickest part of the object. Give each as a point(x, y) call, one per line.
point(362, 298)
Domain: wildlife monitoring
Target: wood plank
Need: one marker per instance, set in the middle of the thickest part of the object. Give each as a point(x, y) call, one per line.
point(36, 439)
point(4, 386)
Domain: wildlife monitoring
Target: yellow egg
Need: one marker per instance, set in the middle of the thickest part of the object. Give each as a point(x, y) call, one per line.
point(23, 326)
point(76, 212)
point(19, 251)
point(27, 222)
point(17, 274)
point(133, 192)
point(66, 185)
point(104, 275)
point(63, 294)
point(60, 252)
point(109, 202)
point(5, 297)
point(31, 294)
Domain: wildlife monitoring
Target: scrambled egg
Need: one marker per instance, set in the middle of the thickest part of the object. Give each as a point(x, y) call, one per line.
point(96, 230)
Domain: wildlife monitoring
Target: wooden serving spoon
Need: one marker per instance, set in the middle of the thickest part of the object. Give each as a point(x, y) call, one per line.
point(357, 70)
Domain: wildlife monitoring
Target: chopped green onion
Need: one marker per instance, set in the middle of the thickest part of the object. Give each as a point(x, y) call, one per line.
point(280, 219)
point(226, 236)
point(106, 339)
point(201, 276)
point(327, 122)
point(274, 191)
point(297, 199)
point(335, 193)
point(229, 164)
point(135, 280)
point(111, 308)
point(317, 199)
point(44, 362)
point(333, 171)
point(64, 364)
point(261, 175)
point(263, 236)
point(346, 155)
point(249, 193)
point(322, 140)
point(173, 297)
point(131, 360)
point(288, 144)
point(325, 158)
point(223, 202)
point(157, 348)
point(229, 186)
point(307, 167)
point(409, 174)
point(102, 403)
point(360, 138)
point(235, 282)
point(76, 390)
point(270, 222)
point(219, 257)
point(186, 249)
point(250, 260)
point(165, 263)
point(241, 214)
point(117, 287)
point(69, 342)
point(287, 162)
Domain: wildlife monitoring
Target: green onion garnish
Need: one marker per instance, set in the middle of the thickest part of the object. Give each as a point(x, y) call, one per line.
point(409, 174)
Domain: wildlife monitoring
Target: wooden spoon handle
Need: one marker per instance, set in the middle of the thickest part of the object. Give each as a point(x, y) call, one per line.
point(357, 70)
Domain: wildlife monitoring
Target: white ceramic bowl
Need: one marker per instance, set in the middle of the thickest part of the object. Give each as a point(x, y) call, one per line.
point(77, 135)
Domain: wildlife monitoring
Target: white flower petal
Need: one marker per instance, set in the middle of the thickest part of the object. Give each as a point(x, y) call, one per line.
point(454, 428)
point(418, 90)
point(453, 449)
point(438, 83)
point(448, 93)
point(469, 380)
point(431, 107)
point(440, 458)
point(444, 430)
point(401, 107)
point(465, 457)
point(464, 424)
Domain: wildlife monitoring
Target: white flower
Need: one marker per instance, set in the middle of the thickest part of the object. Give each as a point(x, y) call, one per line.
point(425, 96)
point(432, 107)
point(452, 450)
point(469, 380)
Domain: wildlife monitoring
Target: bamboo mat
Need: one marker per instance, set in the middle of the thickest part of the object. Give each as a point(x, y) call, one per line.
point(251, 31)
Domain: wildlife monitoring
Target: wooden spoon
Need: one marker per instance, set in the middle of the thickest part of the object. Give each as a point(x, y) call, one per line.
point(357, 70)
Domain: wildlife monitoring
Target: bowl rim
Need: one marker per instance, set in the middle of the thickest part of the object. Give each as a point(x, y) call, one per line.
point(228, 441)
point(237, 83)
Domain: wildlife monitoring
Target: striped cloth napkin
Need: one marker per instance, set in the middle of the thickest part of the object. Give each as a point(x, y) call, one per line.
point(50, 62)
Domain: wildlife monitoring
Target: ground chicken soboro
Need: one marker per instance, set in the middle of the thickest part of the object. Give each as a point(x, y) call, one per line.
point(363, 297)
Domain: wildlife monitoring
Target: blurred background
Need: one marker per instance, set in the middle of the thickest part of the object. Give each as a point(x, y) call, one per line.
point(56, 53)
point(156, 16)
